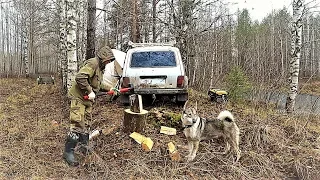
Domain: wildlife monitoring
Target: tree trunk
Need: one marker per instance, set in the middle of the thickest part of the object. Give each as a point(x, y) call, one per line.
point(7, 43)
point(83, 30)
point(105, 24)
point(91, 29)
point(2, 62)
point(79, 34)
point(62, 44)
point(25, 50)
point(135, 26)
point(71, 41)
point(154, 15)
point(295, 54)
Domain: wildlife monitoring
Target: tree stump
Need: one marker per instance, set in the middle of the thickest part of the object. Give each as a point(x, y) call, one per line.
point(134, 119)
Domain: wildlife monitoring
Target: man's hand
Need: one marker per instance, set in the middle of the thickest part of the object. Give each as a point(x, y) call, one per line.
point(116, 91)
point(92, 95)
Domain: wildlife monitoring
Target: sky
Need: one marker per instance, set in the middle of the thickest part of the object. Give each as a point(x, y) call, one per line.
point(259, 9)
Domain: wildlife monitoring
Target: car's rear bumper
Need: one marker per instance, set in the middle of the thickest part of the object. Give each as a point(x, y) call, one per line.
point(163, 91)
point(181, 94)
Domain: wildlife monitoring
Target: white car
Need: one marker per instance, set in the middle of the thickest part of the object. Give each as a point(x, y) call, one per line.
point(155, 71)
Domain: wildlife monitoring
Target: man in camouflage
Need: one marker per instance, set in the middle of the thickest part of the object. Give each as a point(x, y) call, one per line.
point(87, 83)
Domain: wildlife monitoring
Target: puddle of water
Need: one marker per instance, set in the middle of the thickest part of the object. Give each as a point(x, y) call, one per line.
point(305, 103)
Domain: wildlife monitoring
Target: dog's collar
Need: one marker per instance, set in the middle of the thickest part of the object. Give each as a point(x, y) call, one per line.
point(193, 122)
point(187, 126)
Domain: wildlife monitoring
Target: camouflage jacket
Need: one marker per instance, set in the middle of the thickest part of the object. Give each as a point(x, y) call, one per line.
point(87, 79)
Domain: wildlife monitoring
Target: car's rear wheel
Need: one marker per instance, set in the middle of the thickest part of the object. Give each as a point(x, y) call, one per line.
point(147, 100)
point(180, 103)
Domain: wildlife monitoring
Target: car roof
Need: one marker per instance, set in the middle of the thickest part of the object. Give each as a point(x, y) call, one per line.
point(154, 48)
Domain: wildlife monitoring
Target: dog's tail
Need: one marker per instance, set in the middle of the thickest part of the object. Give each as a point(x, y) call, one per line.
point(226, 116)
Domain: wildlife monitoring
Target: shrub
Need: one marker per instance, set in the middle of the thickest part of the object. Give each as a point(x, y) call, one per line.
point(237, 84)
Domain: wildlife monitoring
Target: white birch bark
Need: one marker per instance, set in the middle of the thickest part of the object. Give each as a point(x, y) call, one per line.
point(213, 60)
point(63, 65)
point(203, 80)
point(195, 71)
point(234, 48)
point(313, 50)
point(25, 50)
point(6, 37)
point(296, 33)
point(307, 48)
point(71, 41)
point(282, 57)
point(80, 24)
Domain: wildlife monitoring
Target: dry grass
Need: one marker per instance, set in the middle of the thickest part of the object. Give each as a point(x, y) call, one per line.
point(274, 146)
point(310, 87)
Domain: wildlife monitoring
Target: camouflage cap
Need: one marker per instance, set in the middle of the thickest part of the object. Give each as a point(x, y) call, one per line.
point(105, 54)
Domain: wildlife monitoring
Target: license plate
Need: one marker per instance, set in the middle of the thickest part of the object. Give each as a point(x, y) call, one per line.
point(153, 82)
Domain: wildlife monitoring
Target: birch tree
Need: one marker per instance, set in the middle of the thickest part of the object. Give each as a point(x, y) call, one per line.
point(296, 33)
point(62, 43)
point(25, 49)
point(82, 12)
point(71, 41)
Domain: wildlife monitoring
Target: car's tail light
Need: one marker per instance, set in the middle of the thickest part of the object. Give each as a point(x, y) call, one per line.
point(180, 81)
point(125, 82)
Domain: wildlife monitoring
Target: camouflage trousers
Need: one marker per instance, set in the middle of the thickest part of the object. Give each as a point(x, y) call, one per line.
point(80, 115)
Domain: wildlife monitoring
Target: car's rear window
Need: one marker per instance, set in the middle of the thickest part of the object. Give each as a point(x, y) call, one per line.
point(153, 59)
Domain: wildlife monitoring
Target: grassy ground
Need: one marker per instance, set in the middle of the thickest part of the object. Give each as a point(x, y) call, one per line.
point(274, 146)
point(311, 87)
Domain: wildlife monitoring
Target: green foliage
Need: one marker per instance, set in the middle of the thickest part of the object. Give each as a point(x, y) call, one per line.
point(237, 84)
point(244, 35)
point(169, 119)
point(174, 117)
point(244, 28)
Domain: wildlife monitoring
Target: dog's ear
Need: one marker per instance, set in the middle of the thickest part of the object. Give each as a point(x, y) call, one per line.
point(185, 105)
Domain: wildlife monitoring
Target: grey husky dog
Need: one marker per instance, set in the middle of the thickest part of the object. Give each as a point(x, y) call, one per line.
point(197, 129)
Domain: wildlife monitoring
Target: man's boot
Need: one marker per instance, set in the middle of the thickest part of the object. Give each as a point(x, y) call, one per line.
point(84, 144)
point(71, 143)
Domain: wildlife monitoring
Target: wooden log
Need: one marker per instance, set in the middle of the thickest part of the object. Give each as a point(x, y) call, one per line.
point(135, 103)
point(146, 142)
point(134, 122)
point(139, 138)
point(134, 119)
point(168, 130)
point(173, 152)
